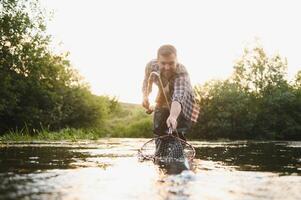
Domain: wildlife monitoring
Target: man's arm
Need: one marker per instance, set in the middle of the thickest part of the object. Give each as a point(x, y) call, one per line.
point(175, 111)
point(178, 97)
point(146, 89)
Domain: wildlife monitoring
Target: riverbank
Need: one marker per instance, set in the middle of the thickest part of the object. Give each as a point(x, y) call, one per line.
point(127, 121)
point(130, 120)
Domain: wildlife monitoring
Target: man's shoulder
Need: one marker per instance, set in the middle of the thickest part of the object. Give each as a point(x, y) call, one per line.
point(153, 62)
point(181, 69)
point(152, 65)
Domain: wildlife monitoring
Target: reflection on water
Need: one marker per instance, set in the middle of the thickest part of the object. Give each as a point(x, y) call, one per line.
point(173, 167)
point(109, 169)
point(279, 157)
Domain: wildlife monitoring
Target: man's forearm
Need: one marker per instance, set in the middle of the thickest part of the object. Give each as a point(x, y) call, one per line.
point(175, 109)
point(146, 90)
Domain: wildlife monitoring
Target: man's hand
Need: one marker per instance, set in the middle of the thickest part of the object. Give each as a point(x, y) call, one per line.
point(175, 111)
point(145, 103)
point(172, 122)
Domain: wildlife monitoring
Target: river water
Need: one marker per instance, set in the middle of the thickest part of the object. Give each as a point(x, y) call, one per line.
point(110, 169)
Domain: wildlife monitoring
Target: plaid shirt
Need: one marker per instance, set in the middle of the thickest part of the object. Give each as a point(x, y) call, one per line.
point(177, 88)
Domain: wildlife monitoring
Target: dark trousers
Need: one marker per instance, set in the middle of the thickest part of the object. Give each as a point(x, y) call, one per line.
point(160, 127)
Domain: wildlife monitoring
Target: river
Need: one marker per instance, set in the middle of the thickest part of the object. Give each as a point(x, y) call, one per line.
point(109, 169)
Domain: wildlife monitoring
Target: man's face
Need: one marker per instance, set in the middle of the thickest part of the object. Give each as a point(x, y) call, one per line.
point(167, 64)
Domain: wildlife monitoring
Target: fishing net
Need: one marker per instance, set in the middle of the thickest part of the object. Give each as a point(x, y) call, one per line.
point(167, 147)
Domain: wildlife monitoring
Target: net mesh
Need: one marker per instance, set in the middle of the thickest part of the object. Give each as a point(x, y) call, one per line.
point(167, 147)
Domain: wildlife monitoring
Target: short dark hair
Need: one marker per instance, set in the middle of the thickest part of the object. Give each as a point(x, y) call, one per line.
point(166, 50)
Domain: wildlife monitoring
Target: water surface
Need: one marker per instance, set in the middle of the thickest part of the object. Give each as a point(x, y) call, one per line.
point(110, 169)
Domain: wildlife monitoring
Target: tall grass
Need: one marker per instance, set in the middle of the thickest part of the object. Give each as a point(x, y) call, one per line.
point(64, 134)
point(129, 120)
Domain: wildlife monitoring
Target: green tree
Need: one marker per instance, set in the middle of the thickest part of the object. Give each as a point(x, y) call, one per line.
point(255, 71)
point(224, 110)
point(297, 82)
point(255, 102)
point(39, 89)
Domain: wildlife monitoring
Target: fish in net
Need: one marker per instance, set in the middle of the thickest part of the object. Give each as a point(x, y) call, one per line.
point(166, 148)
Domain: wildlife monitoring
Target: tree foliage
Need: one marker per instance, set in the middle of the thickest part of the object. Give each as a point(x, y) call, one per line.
point(39, 89)
point(255, 102)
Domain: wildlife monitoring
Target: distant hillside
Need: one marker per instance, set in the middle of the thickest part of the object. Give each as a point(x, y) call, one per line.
point(129, 120)
point(130, 105)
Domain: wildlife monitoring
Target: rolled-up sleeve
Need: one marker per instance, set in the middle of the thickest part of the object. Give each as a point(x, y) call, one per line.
point(183, 94)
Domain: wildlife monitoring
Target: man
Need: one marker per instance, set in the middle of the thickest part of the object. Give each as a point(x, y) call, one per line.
point(176, 106)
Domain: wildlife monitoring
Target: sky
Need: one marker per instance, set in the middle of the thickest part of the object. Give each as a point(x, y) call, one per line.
point(110, 41)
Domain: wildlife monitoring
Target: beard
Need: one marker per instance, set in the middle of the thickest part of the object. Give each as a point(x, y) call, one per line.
point(167, 73)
